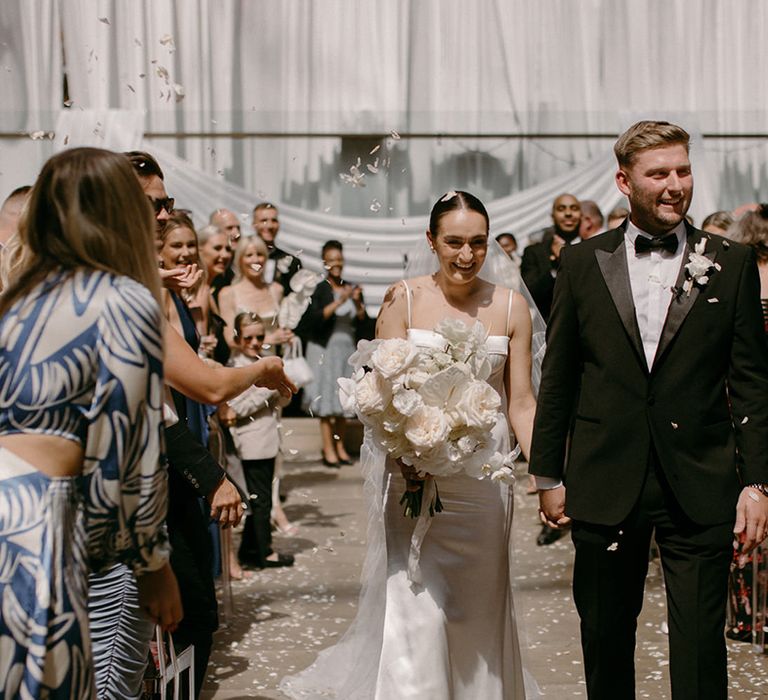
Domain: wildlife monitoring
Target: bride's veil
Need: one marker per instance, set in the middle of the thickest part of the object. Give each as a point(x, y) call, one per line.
point(498, 269)
point(348, 670)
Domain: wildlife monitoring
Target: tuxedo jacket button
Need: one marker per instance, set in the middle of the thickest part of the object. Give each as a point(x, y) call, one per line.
point(651, 400)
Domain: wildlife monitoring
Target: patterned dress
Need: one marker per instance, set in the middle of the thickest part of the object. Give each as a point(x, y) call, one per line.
point(81, 359)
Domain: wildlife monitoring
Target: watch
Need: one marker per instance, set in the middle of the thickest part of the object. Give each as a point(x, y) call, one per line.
point(762, 488)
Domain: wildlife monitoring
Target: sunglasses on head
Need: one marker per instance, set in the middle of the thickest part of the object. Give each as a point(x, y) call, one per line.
point(159, 204)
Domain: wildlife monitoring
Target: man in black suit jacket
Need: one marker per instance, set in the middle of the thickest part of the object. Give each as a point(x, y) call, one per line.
point(282, 265)
point(655, 385)
point(540, 260)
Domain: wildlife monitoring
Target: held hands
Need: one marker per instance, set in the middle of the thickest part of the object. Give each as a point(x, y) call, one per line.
point(159, 597)
point(272, 376)
point(751, 519)
point(552, 507)
point(226, 504)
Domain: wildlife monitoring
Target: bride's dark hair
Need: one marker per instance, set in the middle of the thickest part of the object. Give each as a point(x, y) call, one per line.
point(451, 201)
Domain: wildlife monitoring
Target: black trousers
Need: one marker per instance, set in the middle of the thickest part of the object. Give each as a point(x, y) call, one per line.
point(192, 562)
point(608, 582)
point(256, 544)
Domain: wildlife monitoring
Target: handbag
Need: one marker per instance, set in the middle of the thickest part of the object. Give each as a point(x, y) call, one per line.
point(297, 369)
point(172, 670)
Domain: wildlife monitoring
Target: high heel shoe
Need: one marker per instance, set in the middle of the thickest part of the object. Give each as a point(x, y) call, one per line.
point(327, 462)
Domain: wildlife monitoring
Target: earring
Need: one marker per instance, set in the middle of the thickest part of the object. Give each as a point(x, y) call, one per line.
point(432, 249)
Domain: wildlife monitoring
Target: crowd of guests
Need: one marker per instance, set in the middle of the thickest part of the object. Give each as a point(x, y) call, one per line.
point(196, 327)
point(202, 312)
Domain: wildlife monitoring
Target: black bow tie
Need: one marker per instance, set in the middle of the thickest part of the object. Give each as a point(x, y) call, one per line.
point(668, 242)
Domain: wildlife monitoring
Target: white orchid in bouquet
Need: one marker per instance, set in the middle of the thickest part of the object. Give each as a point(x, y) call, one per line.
point(292, 308)
point(432, 408)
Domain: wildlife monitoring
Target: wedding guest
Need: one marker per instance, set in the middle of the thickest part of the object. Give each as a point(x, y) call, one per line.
point(193, 473)
point(81, 455)
point(752, 230)
point(254, 430)
point(333, 322)
point(616, 216)
point(215, 252)
point(228, 223)
point(251, 292)
point(10, 212)
point(281, 265)
point(591, 219)
point(508, 242)
point(541, 260)
point(437, 620)
point(654, 408)
point(718, 222)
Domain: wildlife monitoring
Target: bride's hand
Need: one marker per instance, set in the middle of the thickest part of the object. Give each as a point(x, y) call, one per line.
point(411, 475)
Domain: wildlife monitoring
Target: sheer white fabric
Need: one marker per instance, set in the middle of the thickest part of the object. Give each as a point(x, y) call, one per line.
point(362, 67)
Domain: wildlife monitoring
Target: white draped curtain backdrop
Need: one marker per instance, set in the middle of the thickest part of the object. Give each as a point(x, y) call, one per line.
point(250, 100)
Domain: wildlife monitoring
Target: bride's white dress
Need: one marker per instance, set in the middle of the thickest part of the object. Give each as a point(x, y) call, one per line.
point(453, 635)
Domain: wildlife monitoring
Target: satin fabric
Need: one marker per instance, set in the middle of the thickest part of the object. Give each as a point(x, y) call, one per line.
point(453, 636)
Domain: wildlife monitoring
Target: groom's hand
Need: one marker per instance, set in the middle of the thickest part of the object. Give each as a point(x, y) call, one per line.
point(552, 507)
point(751, 519)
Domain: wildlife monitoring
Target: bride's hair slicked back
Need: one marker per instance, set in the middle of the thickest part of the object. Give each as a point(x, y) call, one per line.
point(452, 201)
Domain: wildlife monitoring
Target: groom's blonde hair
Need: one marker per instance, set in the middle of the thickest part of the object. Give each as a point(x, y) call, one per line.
point(648, 134)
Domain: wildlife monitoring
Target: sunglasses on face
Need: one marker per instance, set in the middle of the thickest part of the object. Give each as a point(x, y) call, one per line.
point(159, 204)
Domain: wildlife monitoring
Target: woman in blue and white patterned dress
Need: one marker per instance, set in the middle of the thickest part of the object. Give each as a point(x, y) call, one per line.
point(81, 479)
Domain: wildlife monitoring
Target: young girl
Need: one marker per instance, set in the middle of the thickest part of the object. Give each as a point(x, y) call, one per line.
point(254, 432)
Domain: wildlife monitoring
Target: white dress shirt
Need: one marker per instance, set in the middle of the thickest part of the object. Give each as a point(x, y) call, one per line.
point(651, 277)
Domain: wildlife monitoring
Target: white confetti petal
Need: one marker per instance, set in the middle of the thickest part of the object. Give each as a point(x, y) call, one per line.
point(745, 420)
point(612, 547)
point(713, 300)
point(394, 135)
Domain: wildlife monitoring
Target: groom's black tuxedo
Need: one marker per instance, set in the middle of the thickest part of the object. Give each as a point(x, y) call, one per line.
point(661, 450)
point(703, 405)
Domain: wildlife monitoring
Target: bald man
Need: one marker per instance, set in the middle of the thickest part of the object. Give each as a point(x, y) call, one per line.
point(541, 260)
point(227, 222)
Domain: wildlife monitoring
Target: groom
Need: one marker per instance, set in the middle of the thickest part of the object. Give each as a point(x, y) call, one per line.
point(653, 419)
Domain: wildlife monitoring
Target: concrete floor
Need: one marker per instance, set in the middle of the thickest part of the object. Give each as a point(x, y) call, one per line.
point(283, 617)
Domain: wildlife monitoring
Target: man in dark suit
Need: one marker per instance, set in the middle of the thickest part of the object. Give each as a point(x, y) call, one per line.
point(281, 265)
point(655, 384)
point(540, 260)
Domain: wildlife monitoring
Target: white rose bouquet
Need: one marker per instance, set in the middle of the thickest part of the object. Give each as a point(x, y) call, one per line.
point(431, 407)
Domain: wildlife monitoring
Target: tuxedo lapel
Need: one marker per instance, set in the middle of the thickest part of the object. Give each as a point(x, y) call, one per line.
point(682, 302)
point(613, 266)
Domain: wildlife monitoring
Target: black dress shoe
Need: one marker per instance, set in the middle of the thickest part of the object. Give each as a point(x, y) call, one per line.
point(282, 560)
point(549, 535)
point(328, 463)
point(345, 462)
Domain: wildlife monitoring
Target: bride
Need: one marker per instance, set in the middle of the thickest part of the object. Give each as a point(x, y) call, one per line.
point(451, 632)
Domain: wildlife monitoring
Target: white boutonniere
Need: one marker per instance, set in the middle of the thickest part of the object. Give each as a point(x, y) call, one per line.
point(284, 264)
point(699, 268)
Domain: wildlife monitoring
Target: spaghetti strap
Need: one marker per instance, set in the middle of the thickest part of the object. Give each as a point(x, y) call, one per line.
point(408, 301)
point(509, 309)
